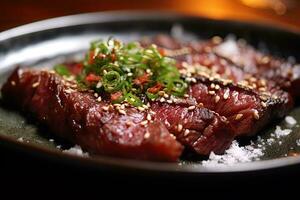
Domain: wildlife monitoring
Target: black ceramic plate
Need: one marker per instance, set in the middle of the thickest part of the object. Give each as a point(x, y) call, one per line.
point(45, 43)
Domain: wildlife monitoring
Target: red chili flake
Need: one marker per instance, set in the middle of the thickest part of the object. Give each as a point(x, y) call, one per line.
point(113, 57)
point(154, 89)
point(162, 51)
point(141, 79)
point(77, 68)
point(115, 96)
point(92, 78)
point(91, 57)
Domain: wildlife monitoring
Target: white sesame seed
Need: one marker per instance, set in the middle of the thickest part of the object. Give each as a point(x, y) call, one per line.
point(148, 71)
point(238, 116)
point(255, 114)
point(129, 74)
point(13, 83)
point(212, 85)
point(263, 104)
point(186, 95)
point(147, 135)
point(152, 112)
point(217, 87)
point(169, 101)
point(96, 94)
point(149, 117)
point(122, 112)
point(162, 99)
point(144, 122)
point(34, 85)
point(193, 80)
point(179, 127)
point(104, 72)
point(105, 108)
point(141, 109)
point(211, 92)
point(99, 84)
point(226, 94)
point(99, 99)
point(200, 104)
point(166, 96)
point(191, 107)
point(186, 132)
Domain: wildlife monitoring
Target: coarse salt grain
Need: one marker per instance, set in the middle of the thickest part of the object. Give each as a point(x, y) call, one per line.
point(235, 154)
point(281, 132)
point(290, 120)
point(76, 150)
point(298, 142)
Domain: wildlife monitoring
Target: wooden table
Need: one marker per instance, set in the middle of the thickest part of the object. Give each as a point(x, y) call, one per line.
point(17, 12)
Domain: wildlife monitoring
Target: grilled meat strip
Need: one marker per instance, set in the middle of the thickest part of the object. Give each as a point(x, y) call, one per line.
point(196, 127)
point(233, 60)
point(95, 126)
point(246, 109)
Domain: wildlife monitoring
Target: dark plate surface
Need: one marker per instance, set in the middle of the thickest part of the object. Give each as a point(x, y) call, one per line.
point(45, 43)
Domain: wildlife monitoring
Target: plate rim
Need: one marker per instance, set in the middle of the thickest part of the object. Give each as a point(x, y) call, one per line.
point(104, 161)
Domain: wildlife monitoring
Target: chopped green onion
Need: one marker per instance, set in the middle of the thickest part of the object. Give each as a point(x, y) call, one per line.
point(62, 70)
point(112, 81)
point(133, 100)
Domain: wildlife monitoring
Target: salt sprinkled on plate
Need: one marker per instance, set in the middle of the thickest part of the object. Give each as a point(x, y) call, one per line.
point(298, 142)
point(235, 154)
point(290, 120)
point(281, 132)
point(76, 150)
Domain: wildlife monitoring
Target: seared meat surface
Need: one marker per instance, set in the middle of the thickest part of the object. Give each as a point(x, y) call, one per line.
point(235, 60)
point(95, 126)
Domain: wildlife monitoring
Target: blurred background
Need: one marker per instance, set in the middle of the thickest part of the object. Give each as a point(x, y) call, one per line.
point(284, 13)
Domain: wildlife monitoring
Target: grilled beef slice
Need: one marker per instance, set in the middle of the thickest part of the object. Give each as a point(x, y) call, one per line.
point(232, 59)
point(95, 126)
point(99, 128)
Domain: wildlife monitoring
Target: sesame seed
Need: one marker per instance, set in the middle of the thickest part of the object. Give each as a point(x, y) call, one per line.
point(186, 95)
point(263, 98)
point(263, 104)
point(122, 112)
point(145, 106)
point(147, 135)
point(211, 92)
point(186, 132)
point(96, 94)
point(144, 122)
point(238, 116)
point(148, 71)
point(105, 108)
point(217, 99)
point(212, 85)
point(68, 91)
point(193, 80)
point(169, 101)
point(226, 94)
point(179, 127)
point(141, 109)
point(99, 84)
point(191, 107)
point(152, 112)
point(200, 104)
point(13, 83)
point(129, 74)
point(99, 99)
point(149, 117)
point(34, 85)
point(162, 99)
point(255, 114)
point(217, 87)
point(104, 72)
point(166, 95)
